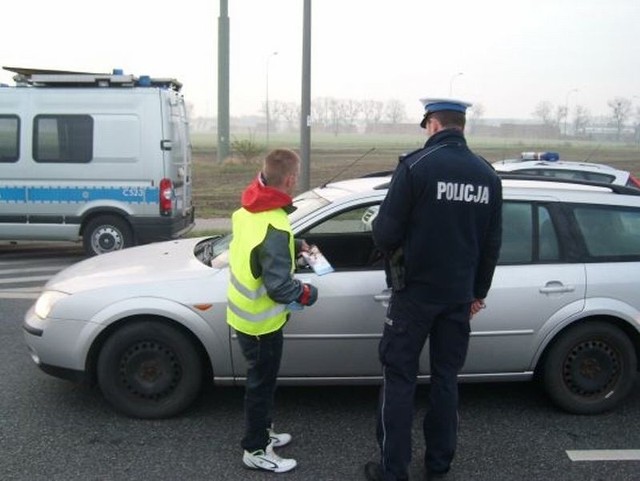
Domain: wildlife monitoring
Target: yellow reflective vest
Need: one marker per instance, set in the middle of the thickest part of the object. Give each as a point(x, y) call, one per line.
point(249, 308)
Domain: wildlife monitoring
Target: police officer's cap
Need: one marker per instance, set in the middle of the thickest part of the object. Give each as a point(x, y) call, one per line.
point(438, 105)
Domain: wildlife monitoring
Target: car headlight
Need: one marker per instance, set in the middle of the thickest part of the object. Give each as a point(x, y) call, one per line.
point(46, 301)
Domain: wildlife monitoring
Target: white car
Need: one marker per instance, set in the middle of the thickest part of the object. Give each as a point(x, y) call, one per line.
point(548, 164)
point(147, 324)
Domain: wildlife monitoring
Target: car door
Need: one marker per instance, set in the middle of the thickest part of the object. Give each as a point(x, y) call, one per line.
point(612, 252)
point(338, 336)
point(534, 288)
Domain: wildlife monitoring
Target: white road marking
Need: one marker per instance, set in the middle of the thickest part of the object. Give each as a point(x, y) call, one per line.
point(32, 269)
point(19, 295)
point(13, 280)
point(605, 455)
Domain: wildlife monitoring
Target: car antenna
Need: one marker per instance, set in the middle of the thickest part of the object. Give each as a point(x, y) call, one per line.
point(592, 152)
point(348, 167)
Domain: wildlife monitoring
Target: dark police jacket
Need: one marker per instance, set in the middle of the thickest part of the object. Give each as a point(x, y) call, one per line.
point(444, 210)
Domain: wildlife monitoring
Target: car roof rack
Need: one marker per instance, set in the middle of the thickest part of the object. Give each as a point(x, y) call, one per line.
point(63, 78)
point(616, 188)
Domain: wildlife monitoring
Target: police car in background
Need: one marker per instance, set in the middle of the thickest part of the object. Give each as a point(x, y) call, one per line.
point(548, 164)
point(563, 306)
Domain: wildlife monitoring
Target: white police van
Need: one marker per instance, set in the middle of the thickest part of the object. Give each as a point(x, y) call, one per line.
point(104, 158)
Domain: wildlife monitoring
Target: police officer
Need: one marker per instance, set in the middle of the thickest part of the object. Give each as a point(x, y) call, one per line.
point(440, 229)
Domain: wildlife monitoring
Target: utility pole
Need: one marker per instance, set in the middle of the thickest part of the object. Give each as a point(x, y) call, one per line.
point(223, 81)
point(305, 104)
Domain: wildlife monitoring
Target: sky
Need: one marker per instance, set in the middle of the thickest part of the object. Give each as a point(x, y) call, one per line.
point(507, 55)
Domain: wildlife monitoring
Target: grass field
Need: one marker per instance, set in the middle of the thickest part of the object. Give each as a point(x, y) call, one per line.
point(217, 186)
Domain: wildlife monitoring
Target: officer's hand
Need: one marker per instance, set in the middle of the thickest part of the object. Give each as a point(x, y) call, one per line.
point(309, 295)
point(476, 306)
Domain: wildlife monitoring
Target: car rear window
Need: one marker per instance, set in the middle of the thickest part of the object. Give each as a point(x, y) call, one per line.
point(570, 174)
point(609, 231)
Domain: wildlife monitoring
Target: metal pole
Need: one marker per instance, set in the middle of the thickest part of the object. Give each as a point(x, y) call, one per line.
point(305, 104)
point(223, 81)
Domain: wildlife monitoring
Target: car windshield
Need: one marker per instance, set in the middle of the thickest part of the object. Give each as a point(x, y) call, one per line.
point(213, 251)
point(306, 203)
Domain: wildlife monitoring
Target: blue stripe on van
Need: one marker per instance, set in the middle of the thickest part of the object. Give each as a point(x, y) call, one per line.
point(13, 194)
point(130, 195)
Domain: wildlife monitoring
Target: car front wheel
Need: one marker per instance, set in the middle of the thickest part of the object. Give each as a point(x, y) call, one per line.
point(590, 369)
point(149, 370)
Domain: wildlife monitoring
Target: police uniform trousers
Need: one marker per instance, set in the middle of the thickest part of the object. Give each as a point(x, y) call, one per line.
point(447, 328)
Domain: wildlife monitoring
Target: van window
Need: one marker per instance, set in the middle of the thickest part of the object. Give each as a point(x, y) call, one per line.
point(63, 138)
point(9, 138)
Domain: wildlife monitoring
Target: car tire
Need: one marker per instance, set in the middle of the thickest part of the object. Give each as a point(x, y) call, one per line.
point(149, 370)
point(106, 233)
point(590, 368)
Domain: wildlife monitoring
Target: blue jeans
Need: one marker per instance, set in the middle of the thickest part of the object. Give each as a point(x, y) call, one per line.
point(447, 327)
point(263, 354)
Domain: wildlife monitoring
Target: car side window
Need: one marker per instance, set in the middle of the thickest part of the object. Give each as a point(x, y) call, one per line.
point(517, 233)
point(528, 234)
point(609, 231)
point(346, 240)
point(548, 247)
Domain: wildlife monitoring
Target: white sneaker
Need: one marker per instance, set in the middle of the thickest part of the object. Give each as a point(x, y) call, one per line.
point(279, 440)
point(267, 460)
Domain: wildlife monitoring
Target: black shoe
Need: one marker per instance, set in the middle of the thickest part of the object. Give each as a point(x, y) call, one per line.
point(373, 471)
point(433, 475)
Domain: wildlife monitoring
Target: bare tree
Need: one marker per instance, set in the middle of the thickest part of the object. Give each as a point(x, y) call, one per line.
point(581, 120)
point(350, 109)
point(476, 112)
point(621, 108)
point(291, 113)
point(335, 114)
point(320, 110)
point(561, 114)
point(372, 111)
point(544, 111)
point(277, 111)
point(395, 111)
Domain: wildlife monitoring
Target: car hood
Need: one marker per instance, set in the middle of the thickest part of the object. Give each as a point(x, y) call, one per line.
point(164, 261)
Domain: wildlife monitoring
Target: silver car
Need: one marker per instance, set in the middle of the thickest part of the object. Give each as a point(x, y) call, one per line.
point(147, 324)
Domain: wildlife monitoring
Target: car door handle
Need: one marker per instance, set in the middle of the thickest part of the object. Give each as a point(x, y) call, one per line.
point(383, 297)
point(556, 287)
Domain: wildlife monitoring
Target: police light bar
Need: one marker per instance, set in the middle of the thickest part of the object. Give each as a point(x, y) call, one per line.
point(550, 156)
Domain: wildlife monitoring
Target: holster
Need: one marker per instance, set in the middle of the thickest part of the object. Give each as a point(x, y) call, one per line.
point(395, 270)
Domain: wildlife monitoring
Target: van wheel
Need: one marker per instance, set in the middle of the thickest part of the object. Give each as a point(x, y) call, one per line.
point(106, 233)
point(590, 369)
point(149, 370)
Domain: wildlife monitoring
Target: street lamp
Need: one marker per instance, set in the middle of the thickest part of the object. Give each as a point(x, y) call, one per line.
point(566, 107)
point(453, 77)
point(272, 54)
